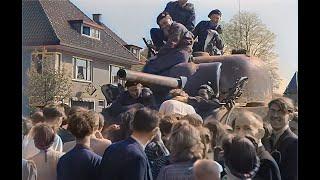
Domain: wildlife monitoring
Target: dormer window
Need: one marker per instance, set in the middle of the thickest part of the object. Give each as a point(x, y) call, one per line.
point(90, 32)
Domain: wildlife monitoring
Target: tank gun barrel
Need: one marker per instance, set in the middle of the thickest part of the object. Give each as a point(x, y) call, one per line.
point(151, 78)
point(209, 59)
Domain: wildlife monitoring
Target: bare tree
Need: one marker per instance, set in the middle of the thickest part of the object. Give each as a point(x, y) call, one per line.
point(46, 83)
point(249, 33)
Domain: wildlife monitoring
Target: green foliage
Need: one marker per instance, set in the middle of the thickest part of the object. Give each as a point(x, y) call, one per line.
point(50, 85)
point(249, 33)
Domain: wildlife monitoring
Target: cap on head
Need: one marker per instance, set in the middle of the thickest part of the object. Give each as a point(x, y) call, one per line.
point(161, 16)
point(216, 11)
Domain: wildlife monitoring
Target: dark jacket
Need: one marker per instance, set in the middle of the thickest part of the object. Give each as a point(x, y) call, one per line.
point(79, 164)
point(66, 136)
point(125, 160)
point(287, 145)
point(184, 15)
point(202, 106)
point(201, 31)
point(179, 39)
point(177, 50)
point(125, 102)
point(269, 169)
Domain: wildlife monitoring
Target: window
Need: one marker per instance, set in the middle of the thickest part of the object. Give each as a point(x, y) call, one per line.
point(134, 51)
point(58, 61)
point(95, 33)
point(37, 62)
point(113, 74)
point(82, 69)
point(86, 30)
point(91, 32)
point(53, 59)
point(85, 104)
point(101, 103)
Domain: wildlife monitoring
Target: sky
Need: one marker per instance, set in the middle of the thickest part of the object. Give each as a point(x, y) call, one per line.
point(133, 19)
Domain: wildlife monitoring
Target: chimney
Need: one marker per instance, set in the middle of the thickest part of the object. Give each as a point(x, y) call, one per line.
point(96, 18)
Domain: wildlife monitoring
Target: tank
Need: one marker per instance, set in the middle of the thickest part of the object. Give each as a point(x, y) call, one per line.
point(221, 71)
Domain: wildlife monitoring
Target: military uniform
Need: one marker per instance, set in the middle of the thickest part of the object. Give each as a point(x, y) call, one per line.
point(201, 31)
point(125, 102)
point(177, 49)
point(184, 15)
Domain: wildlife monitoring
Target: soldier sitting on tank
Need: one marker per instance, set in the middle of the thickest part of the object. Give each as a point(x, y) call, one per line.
point(208, 33)
point(177, 49)
point(181, 12)
point(205, 102)
point(135, 96)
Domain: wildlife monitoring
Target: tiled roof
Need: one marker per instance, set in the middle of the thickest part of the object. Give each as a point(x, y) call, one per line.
point(48, 22)
point(36, 28)
point(114, 35)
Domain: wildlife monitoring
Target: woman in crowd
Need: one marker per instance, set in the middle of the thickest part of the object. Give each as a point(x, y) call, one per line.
point(53, 116)
point(185, 148)
point(47, 159)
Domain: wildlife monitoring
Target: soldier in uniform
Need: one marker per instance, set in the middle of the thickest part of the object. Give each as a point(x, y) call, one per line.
point(181, 12)
point(177, 49)
point(208, 32)
point(135, 97)
point(205, 103)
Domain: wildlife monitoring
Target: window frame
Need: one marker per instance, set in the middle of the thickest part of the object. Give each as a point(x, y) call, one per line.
point(57, 64)
point(90, 32)
point(104, 103)
point(75, 72)
point(110, 75)
point(94, 103)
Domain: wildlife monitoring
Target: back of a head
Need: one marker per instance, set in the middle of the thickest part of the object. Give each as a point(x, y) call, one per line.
point(37, 117)
point(185, 142)
point(66, 110)
point(82, 124)
point(75, 109)
point(96, 118)
point(145, 120)
point(176, 92)
point(166, 123)
point(43, 136)
point(194, 119)
point(206, 169)
point(52, 112)
point(240, 157)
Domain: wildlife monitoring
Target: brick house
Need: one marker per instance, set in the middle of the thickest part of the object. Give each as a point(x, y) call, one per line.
point(58, 30)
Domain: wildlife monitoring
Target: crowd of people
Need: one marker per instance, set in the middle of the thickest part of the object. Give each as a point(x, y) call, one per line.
point(183, 138)
point(168, 143)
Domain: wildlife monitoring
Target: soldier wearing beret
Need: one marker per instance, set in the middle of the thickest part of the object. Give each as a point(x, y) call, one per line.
point(208, 34)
